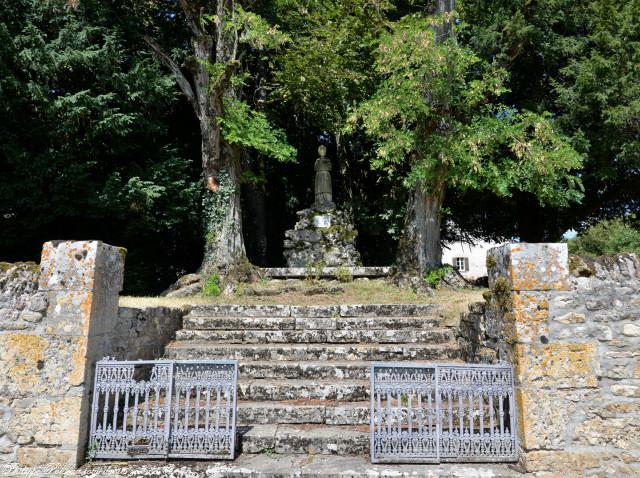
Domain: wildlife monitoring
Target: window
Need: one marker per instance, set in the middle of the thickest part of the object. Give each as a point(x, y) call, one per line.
point(461, 264)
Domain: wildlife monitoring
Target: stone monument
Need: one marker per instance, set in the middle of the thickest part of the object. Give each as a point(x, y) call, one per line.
point(323, 234)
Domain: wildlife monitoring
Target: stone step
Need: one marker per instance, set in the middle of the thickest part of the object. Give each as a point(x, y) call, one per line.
point(193, 322)
point(301, 389)
point(267, 465)
point(295, 412)
point(184, 350)
point(304, 439)
point(312, 370)
point(345, 310)
point(391, 336)
point(355, 370)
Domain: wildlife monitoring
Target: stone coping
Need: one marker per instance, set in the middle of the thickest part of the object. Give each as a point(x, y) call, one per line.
point(293, 272)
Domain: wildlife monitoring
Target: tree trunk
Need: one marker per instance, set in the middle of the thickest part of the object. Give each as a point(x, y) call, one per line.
point(224, 242)
point(419, 248)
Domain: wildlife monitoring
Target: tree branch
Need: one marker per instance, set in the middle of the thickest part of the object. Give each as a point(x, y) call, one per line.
point(192, 21)
point(182, 81)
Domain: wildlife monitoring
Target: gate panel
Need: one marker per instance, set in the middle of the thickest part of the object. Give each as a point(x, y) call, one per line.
point(442, 413)
point(131, 403)
point(160, 409)
point(477, 419)
point(204, 410)
point(404, 414)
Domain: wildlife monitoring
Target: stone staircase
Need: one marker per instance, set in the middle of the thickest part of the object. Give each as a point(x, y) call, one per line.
point(304, 370)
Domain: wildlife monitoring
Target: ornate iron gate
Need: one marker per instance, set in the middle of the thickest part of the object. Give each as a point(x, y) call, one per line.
point(160, 409)
point(442, 413)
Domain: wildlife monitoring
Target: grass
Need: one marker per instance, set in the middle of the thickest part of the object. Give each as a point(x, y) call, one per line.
point(375, 291)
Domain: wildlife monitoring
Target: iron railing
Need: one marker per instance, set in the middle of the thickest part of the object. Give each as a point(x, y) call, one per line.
point(164, 409)
point(442, 413)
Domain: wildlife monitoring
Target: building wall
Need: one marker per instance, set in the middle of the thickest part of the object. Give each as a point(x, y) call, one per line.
point(476, 255)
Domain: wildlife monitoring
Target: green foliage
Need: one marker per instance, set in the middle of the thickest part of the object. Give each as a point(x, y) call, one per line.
point(435, 275)
point(577, 60)
point(343, 274)
point(313, 271)
point(87, 148)
point(436, 117)
point(212, 285)
point(327, 65)
point(246, 127)
point(606, 237)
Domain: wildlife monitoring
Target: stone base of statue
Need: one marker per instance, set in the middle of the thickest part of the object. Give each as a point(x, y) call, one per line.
point(323, 236)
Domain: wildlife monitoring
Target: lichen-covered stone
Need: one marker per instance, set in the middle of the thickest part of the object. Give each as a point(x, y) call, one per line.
point(58, 320)
point(530, 267)
point(330, 242)
point(557, 365)
point(573, 338)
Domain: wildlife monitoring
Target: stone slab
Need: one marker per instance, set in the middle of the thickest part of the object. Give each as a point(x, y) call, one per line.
point(374, 352)
point(300, 389)
point(380, 336)
point(236, 310)
point(529, 267)
point(315, 310)
point(388, 310)
point(291, 272)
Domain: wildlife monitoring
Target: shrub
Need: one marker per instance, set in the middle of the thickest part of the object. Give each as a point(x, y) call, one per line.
point(212, 285)
point(343, 274)
point(434, 276)
point(606, 237)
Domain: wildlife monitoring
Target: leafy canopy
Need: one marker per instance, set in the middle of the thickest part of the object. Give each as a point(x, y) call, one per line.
point(606, 237)
point(436, 117)
point(241, 124)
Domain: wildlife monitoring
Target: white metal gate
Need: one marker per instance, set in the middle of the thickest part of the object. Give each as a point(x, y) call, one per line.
point(442, 413)
point(164, 409)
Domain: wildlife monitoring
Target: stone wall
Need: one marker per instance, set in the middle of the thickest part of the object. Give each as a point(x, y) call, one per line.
point(56, 320)
point(572, 331)
point(143, 333)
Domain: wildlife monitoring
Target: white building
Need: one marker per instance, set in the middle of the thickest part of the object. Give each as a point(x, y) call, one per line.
point(469, 259)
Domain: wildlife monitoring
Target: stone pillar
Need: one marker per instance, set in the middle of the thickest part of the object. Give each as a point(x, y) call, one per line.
point(49, 369)
point(552, 374)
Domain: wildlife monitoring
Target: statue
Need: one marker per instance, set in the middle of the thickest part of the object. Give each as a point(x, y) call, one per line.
point(323, 234)
point(322, 167)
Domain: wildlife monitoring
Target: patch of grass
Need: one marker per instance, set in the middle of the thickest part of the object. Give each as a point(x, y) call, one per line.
point(373, 291)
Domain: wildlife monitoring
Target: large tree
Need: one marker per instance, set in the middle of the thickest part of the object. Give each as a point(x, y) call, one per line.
point(577, 60)
point(438, 124)
point(211, 77)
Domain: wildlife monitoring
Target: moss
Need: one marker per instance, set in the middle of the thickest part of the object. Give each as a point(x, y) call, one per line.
point(123, 253)
point(341, 233)
point(501, 291)
point(486, 295)
point(242, 271)
point(491, 262)
point(30, 266)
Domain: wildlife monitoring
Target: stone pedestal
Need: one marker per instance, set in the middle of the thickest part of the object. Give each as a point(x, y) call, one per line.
point(322, 235)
